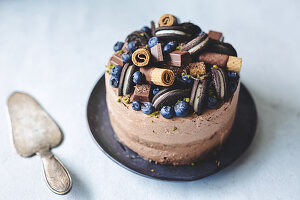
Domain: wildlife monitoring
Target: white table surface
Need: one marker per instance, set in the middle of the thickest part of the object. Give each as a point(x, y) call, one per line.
point(56, 51)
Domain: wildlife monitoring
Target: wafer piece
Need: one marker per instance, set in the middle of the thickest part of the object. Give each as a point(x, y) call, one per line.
point(167, 20)
point(163, 77)
point(234, 64)
point(141, 57)
point(197, 69)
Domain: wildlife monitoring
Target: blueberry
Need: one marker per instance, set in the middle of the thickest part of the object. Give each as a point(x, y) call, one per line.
point(131, 46)
point(146, 29)
point(173, 44)
point(232, 86)
point(118, 46)
point(152, 42)
point(137, 77)
point(126, 57)
point(168, 48)
point(155, 91)
point(212, 102)
point(116, 70)
point(147, 108)
point(233, 76)
point(114, 81)
point(167, 112)
point(181, 109)
point(136, 105)
point(187, 78)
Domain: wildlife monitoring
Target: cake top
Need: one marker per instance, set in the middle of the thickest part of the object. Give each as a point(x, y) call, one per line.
point(174, 68)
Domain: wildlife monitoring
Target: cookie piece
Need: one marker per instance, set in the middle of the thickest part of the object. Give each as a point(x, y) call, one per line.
point(140, 37)
point(128, 82)
point(169, 33)
point(220, 81)
point(120, 88)
point(199, 95)
point(221, 48)
point(169, 98)
point(197, 44)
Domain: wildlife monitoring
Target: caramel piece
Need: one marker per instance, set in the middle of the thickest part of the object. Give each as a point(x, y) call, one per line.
point(141, 93)
point(234, 64)
point(141, 57)
point(167, 20)
point(214, 59)
point(157, 53)
point(214, 35)
point(116, 59)
point(197, 68)
point(179, 58)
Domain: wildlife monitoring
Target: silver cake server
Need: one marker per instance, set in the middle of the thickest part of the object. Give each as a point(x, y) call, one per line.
point(34, 132)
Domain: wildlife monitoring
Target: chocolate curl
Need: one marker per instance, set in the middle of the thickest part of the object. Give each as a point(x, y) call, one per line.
point(163, 77)
point(141, 57)
point(167, 20)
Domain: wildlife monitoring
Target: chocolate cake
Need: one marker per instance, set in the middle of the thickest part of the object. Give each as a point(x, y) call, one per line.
point(172, 91)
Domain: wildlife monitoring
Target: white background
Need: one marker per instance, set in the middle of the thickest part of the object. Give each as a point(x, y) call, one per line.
point(56, 51)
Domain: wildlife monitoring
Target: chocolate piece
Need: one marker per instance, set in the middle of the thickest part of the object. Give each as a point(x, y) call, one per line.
point(141, 93)
point(167, 20)
point(214, 35)
point(141, 57)
point(169, 98)
point(177, 70)
point(214, 59)
point(128, 82)
point(199, 95)
point(234, 64)
point(221, 48)
point(158, 76)
point(120, 88)
point(220, 82)
point(197, 44)
point(157, 53)
point(152, 27)
point(116, 59)
point(197, 69)
point(179, 58)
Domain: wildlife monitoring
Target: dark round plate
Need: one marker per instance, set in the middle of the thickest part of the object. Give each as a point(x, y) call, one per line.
point(242, 134)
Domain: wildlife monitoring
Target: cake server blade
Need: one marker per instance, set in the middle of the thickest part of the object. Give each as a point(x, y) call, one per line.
point(34, 132)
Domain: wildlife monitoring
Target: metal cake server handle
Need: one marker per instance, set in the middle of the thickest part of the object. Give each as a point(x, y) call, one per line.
point(56, 174)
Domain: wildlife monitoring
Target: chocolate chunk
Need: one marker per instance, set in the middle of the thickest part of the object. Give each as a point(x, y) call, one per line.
point(116, 59)
point(220, 82)
point(169, 98)
point(157, 53)
point(214, 35)
point(179, 58)
point(152, 27)
point(197, 69)
point(214, 59)
point(141, 93)
point(177, 70)
point(122, 76)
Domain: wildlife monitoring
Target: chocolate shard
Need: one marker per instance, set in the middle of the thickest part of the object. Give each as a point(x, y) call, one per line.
point(214, 59)
point(116, 59)
point(179, 58)
point(214, 35)
point(141, 93)
point(157, 53)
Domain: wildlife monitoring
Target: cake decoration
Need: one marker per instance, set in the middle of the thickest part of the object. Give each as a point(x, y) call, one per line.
point(174, 68)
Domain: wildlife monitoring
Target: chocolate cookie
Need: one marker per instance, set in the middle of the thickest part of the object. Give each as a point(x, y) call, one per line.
point(169, 98)
point(220, 81)
point(120, 88)
point(140, 37)
point(128, 82)
point(197, 44)
point(199, 95)
point(221, 48)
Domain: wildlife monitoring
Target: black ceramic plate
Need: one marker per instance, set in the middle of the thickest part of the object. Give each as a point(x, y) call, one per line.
point(242, 134)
